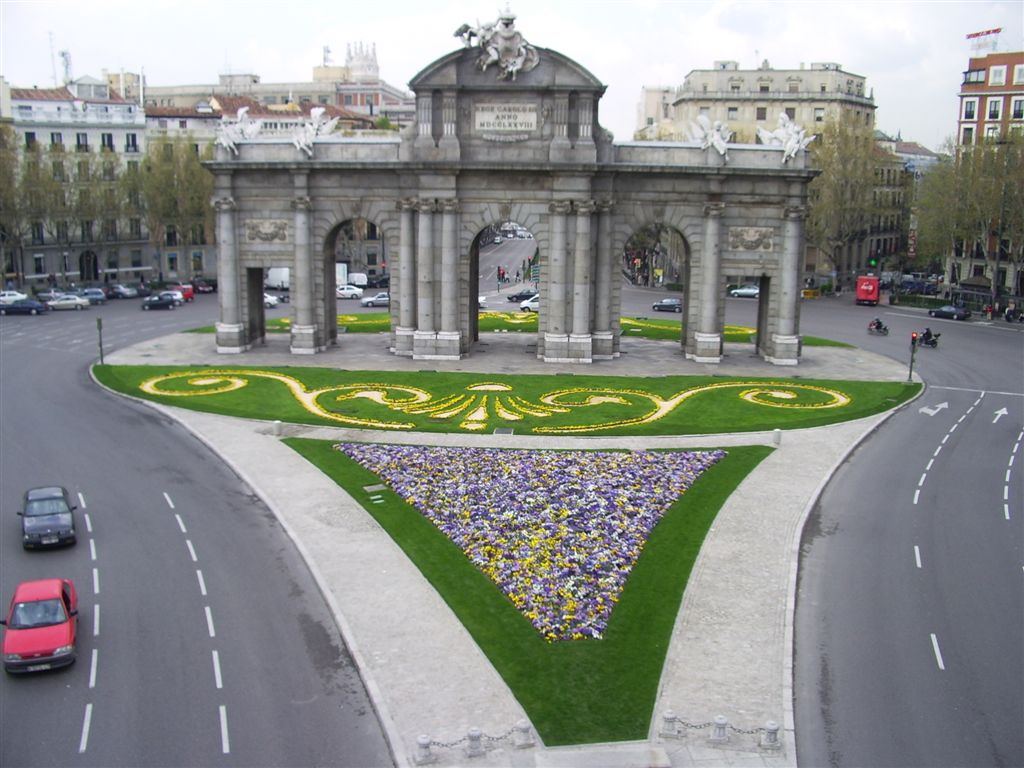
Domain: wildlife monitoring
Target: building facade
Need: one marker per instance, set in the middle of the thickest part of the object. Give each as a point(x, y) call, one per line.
point(991, 98)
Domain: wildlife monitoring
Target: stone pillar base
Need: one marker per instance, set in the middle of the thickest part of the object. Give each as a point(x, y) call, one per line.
point(403, 341)
point(707, 348)
point(604, 345)
point(231, 339)
point(556, 348)
point(581, 348)
point(303, 341)
point(434, 345)
point(785, 350)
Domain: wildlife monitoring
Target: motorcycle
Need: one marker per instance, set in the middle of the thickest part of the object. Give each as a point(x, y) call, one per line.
point(878, 330)
point(933, 342)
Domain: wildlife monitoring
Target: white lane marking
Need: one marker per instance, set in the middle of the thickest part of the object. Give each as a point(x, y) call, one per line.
point(96, 620)
point(1016, 445)
point(952, 429)
point(1007, 476)
point(921, 481)
point(88, 523)
point(961, 418)
point(202, 583)
point(917, 494)
point(225, 745)
point(1012, 457)
point(191, 550)
point(168, 500)
point(216, 670)
point(92, 548)
point(95, 581)
point(209, 621)
point(938, 653)
point(81, 500)
point(917, 555)
point(181, 523)
point(929, 467)
point(937, 451)
point(945, 439)
point(1006, 511)
point(83, 743)
point(92, 668)
point(1006, 493)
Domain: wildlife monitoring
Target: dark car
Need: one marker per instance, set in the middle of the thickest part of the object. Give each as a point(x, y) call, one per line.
point(162, 300)
point(950, 312)
point(523, 295)
point(47, 518)
point(24, 307)
point(204, 286)
point(95, 295)
point(668, 305)
point(378, 281)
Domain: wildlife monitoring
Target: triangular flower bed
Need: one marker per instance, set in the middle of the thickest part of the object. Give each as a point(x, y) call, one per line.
point(557, 531)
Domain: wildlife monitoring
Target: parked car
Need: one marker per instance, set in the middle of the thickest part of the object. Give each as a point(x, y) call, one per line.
point(47, 518)
point(379, 300)
point(94, 295)
point(668, 305)
point(749, 291)
point(187, 292)
point(270, 300)
point(204, 286)
point(532, 304)
point(162, 300)
point(349, 292)
point(41, 626)
point(9, 297)
point(523, 295)
point(481, 302)
point(378, 281)
point(951, 312)
point(178, 295)
point(69, 301)
point(119, 291)
point(24, 307)
point(49, 295)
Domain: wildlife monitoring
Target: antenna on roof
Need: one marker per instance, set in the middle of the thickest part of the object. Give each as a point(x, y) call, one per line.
point(65, 56)
point(53, 61)
point(327, 55)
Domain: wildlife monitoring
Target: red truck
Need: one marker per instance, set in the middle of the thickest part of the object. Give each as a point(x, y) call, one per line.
point(867, 289)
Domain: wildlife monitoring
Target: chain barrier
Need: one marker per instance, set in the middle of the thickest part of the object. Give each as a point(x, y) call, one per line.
point(768, 733)
point(520, 735)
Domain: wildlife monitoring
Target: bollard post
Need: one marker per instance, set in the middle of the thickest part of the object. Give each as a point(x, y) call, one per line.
point(770, 738)
point(669, 725)
point(776, 436)
point(277, 428)
point(719, 734)
point(423, 754)
point(474, 748)
point(522, 736)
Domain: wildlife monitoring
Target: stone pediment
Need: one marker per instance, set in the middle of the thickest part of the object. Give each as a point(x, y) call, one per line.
point(460, 70)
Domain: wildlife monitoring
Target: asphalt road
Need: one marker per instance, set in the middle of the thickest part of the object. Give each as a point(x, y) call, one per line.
point(203, 638)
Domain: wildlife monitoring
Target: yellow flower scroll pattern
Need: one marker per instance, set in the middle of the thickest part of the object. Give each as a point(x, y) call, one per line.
point(483, 405)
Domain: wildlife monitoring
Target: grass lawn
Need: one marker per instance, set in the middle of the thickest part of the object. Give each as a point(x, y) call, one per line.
point(578, 691)
point(467, 402)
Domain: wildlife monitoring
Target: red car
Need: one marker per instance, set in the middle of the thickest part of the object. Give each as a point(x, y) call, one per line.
point(187, 291)
point(42, 626)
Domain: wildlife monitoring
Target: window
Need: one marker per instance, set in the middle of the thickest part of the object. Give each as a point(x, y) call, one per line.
point(112, 261)
point(997, 75)
point(763, 87)
point(131, 143)
point(39, 264)
point(168, 151)
point(704, 88)
point(183, 124)
point(134, 198)
point(172, 263)
point(83, 170)
point(762, 113)
point(135, 228)
point(110, 229)
point(706, 111)
point(197, 262)
point(650, 121)
point(133, 166)
point(970, 109)
point(1018, 74)
point(967, 137)
point(62, 232)
point(995, 108)
point(86, 231)
point(819, 114)
point(107, 142)
point(136, 259)
point(824, 88)
point(108, 171)
point(974, 76)
point(56, 140)
point(793, 87)
point(734, 87)
point(58, 170)
point(791, 113)
point(30, 139)
point(162, 124)
point(1017, 109)
point(991, 131)
point(348, 100)
point(732, 113)
point(323, 100)
point(81, 142)
point(37, 233)
point(171, 236)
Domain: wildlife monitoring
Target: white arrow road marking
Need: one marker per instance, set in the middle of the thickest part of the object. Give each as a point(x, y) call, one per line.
point(932, 411)
point(999, 414)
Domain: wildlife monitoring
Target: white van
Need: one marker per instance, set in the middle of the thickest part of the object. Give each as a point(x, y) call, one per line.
point(357, 278)
point(277, 278)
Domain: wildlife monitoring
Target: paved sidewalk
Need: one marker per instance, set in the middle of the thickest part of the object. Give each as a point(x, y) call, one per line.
point(731, 648)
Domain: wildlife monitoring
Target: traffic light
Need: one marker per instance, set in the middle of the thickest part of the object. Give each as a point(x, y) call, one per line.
point(913, 339)
point(872, 261)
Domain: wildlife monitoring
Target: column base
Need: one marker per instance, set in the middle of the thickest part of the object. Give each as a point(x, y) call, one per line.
point(604, 345)
point(581, 348)
point(556, 348)
point(785, 350)
point(231, 339)
point(403, 341)
point(303, 341)
point(436, 345)
point(707, 348)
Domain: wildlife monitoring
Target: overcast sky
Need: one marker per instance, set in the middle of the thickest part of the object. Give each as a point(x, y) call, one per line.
point(913, 54)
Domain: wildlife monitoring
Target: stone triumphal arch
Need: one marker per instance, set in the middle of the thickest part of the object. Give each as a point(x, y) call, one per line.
point(506, 131)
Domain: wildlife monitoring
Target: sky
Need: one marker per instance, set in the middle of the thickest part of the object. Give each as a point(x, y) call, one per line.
point(913, 54)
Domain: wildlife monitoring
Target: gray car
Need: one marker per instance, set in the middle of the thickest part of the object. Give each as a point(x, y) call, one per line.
point(47, 518)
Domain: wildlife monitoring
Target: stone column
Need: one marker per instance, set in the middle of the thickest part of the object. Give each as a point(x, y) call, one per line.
point(231, 337)
point(303, 341)
point(406, 279)
point(425, 337)
point(708, 338)
point(449, 338)
point(552, 307)
point(580, 342)
point(604, 343)
point(785, 342)
point(449, 115)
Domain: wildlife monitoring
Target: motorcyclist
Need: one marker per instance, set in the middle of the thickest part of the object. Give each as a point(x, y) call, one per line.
point(927, 336)
point(876, 324)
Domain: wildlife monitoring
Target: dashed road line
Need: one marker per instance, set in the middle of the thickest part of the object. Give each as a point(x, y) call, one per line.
point(938, 653)
point(83, 742)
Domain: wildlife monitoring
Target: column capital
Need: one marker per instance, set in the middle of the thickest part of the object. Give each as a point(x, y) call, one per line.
point(448, 205)
point(560, 207)
point(585, 207)
point(795, 212)
point(302, 203)
point(426, 205)
point(407, 204)
point(222, 204)
point(714, 210)
point(604, 205)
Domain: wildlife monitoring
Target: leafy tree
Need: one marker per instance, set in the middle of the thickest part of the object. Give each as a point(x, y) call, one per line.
point(14, 225)
point(842, 197)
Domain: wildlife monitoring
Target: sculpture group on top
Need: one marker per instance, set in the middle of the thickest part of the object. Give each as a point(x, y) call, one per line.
point(788, 135)
point(304, 135)
point(500, 43)
point(230, 132)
